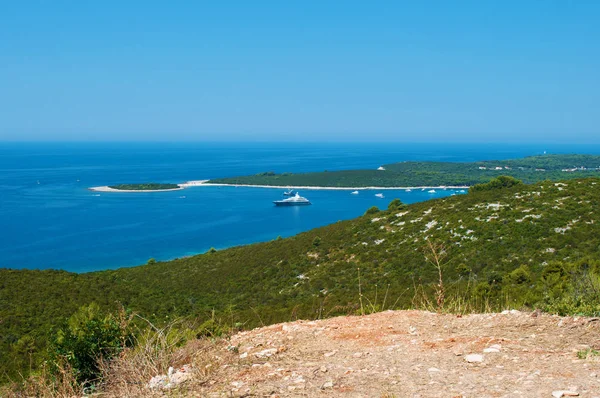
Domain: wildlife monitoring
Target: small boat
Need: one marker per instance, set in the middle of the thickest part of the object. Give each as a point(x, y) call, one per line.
point(379, 195)
point(354, 192)
point(296, 200)
point(289, 192)
point(431, 191)
point(408, 190)
point(462, 191)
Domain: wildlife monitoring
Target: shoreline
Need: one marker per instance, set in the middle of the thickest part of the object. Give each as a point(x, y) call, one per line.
point(206, 183)
point(106, 188)
point(200, 183)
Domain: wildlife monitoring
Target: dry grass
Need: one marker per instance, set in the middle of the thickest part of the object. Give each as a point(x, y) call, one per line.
point(154, 352)
point(45, 385)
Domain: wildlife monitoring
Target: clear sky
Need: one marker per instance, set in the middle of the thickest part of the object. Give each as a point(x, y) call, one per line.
point(514, 71)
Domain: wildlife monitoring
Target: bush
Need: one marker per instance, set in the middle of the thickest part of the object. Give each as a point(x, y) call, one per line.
point(372, 210)
point(396, 204)
point(496, 183)
point(88, 338)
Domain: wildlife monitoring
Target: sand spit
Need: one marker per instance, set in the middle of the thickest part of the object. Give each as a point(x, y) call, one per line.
point(206, 183)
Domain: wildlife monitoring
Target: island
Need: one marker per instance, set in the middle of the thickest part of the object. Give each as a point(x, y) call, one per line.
point(411, 174)
point(143, 187)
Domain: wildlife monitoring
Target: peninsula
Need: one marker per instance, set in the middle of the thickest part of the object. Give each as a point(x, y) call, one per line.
point(412, 174)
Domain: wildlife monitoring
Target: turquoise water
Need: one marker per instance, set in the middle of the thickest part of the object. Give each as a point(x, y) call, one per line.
point(50, 220)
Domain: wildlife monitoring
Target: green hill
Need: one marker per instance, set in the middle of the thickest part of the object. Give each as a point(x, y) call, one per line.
point(410, 174)
point(527, 245)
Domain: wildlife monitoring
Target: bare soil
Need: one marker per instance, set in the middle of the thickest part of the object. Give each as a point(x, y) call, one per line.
point(406, 354)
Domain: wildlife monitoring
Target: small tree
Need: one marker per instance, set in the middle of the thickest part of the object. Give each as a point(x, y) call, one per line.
point(372, 210)
point(88, 338)
point(396, 204)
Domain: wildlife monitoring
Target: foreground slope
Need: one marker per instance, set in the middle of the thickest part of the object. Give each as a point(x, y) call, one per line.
point(396, 354)
point(533, 246)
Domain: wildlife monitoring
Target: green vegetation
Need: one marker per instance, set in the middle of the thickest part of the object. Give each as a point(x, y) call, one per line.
point(88, 336)
point(410, 174)
point(521, 246)
point(496, 183)
point(588, 353)
point(150, 186)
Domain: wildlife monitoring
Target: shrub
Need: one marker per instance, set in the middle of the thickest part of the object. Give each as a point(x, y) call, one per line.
point(372, 210)
point(396, 204)
point(88, 338)
point(496, 183)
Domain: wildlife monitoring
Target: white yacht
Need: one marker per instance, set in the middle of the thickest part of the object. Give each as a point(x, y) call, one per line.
point(295, 200)
point(354, 192)
point(379, 195)
point(431, 191)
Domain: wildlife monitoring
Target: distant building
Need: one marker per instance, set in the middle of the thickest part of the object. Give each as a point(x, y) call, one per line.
point(381, 168)
point(482, 168)
point(498, 168)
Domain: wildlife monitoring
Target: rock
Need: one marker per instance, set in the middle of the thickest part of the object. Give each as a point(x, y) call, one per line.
point(474, 358)
point(433, 370)
point(178, 378)
point(158, 382)
point(243, 355)
point(327, 384)
point(564, 393)
point(266, 353)
point(490, 349)
point(330, 354)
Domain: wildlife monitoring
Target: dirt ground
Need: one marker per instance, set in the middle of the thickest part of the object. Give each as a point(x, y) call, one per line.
point(410, 354)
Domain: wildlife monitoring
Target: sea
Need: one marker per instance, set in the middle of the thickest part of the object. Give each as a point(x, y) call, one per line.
point(50, 219)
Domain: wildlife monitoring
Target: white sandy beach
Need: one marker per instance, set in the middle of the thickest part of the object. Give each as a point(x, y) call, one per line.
point(200, 183)
point(205, 183)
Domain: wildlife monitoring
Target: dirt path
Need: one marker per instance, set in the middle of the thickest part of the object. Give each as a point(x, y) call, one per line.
point(411, 354)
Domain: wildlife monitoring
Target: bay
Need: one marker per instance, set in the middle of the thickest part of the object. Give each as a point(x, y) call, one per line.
point(50, 219)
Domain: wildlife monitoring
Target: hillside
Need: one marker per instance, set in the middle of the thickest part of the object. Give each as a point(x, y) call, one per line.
point(392, 354)
point(526, 246)
point(413, 174)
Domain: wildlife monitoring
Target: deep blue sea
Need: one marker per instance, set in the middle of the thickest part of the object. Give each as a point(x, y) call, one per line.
point(49, 219)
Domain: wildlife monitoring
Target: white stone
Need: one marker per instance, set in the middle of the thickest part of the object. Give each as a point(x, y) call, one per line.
point(490, 350)
point(474, 358)
point(564, 393)
point(327, 384)
point(243, 355)
point(266, 353)
point(179, 378)
point(158, 382)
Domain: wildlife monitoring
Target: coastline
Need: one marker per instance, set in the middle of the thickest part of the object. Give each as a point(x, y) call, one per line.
point(200, 183)
point(206, 183)
point(106, 188)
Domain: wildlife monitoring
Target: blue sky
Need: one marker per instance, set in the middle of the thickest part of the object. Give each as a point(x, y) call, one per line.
point(462, 71)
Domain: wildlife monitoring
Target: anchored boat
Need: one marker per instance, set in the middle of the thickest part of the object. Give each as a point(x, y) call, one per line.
point(295, 200)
